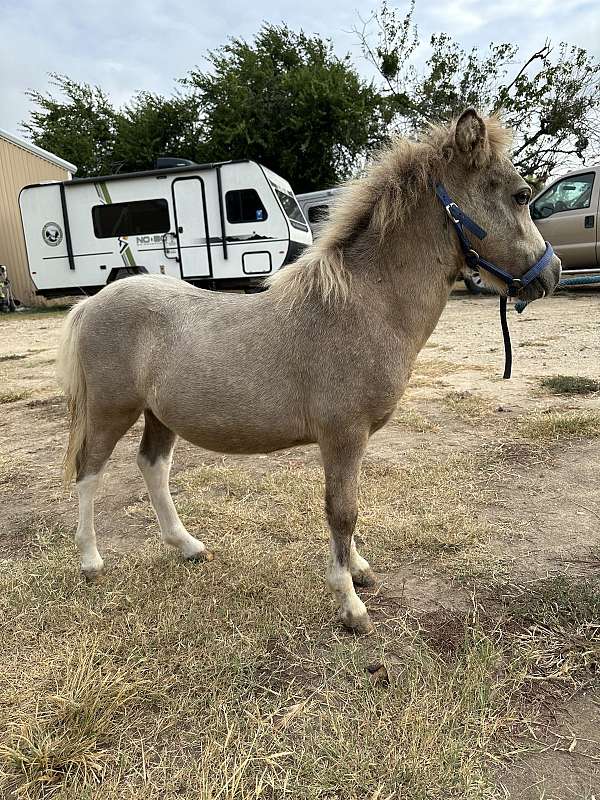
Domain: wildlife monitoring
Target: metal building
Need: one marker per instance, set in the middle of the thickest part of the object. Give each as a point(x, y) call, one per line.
point(22, 163)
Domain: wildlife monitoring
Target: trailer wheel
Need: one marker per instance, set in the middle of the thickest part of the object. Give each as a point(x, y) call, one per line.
point(254, 289)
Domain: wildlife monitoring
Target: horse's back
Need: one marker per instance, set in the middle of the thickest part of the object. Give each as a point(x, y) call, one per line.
point(214, 367)
point(128, 324)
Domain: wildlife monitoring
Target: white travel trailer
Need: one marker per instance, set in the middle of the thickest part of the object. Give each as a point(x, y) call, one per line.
point(214, 225)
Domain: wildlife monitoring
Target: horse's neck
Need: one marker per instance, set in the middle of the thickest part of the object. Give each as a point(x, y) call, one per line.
point(411, 279)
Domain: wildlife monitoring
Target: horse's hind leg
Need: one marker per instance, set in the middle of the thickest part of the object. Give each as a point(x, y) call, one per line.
point(360, 569)
point(103, 431)
point(154, 460)
point(341, 461)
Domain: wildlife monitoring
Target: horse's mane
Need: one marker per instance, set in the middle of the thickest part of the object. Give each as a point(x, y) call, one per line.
point(387, 193)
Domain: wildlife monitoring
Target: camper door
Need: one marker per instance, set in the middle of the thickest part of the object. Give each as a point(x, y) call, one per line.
point(191, 227)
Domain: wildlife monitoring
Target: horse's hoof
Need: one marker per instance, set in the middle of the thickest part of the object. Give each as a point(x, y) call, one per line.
point(365, 577)
point(93, 576)
point(360, 625)
point(203, 555)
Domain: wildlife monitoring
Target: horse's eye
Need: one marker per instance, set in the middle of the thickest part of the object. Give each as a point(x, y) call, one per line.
point(523, 197)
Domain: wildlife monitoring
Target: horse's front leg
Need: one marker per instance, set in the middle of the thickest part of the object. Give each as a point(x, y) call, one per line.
point(341, 461)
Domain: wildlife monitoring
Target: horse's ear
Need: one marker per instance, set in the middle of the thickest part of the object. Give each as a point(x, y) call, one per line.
point(471, 138)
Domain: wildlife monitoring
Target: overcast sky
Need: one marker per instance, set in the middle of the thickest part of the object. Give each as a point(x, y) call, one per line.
point(127, 45)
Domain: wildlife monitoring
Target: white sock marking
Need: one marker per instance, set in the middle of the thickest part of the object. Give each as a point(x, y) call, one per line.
point(172, 529)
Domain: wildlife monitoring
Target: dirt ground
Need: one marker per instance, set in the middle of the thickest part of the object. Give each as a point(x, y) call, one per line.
point(540, 496)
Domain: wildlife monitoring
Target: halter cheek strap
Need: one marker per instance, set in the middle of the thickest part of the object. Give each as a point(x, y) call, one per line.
point(474, 261)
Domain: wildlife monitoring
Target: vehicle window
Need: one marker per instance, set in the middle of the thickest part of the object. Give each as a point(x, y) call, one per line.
point(291, 208)
point(566, 195)
point(244, 205)
point(318, 213)
point(137, 218)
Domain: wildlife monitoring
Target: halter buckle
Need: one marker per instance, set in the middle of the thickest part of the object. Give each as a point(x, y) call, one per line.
point(514, 287)
point(472, 259)
point(455, 220)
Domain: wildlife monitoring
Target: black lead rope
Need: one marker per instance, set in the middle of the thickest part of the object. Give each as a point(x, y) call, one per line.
point(506, 337)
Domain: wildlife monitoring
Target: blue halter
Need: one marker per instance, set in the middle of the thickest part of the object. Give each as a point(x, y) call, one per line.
point(461, 221)
point(474, 261)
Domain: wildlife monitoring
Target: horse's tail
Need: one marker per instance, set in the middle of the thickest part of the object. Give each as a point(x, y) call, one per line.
point(71, 376)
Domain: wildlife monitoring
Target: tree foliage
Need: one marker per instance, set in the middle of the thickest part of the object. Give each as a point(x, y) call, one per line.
point(151, 126)
point(80, 126)
point(284, 99)
point(550, 99)
point(289, 102)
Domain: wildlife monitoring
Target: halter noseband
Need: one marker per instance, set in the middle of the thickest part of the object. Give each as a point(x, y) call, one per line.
point(474, 261)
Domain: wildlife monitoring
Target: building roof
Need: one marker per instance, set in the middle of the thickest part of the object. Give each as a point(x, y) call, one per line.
point(37, 151)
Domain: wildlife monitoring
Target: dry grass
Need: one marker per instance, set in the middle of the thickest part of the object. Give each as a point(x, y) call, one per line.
point(230, 679)
point(227, 680)
point(467, 405)
point(286, 505)
point(559, 631)
point(557, 425)
point(183, 696)
point(9, 470)
point(16, 471)
point(62, 737)
point(413, 421)
point(570, 384)
point(437, 367)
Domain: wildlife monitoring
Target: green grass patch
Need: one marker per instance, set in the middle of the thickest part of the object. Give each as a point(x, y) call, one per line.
point(559, 599)
point(570, 384)
point(14, 395)
point(13, 357)
point(533, 343)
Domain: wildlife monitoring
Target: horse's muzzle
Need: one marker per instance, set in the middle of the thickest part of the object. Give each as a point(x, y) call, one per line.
point(545, 284)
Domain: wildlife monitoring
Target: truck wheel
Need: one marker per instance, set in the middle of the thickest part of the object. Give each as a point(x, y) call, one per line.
point(472, 286)
point(475, 285)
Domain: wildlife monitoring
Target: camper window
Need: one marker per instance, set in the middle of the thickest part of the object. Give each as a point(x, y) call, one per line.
point(137, 218)
point(291, 208)
point(244, 205)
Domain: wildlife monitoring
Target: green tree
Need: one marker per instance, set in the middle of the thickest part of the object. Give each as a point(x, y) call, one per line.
point(289, 102)
point(79, 127)
point(551, 101)
point(151, 126)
